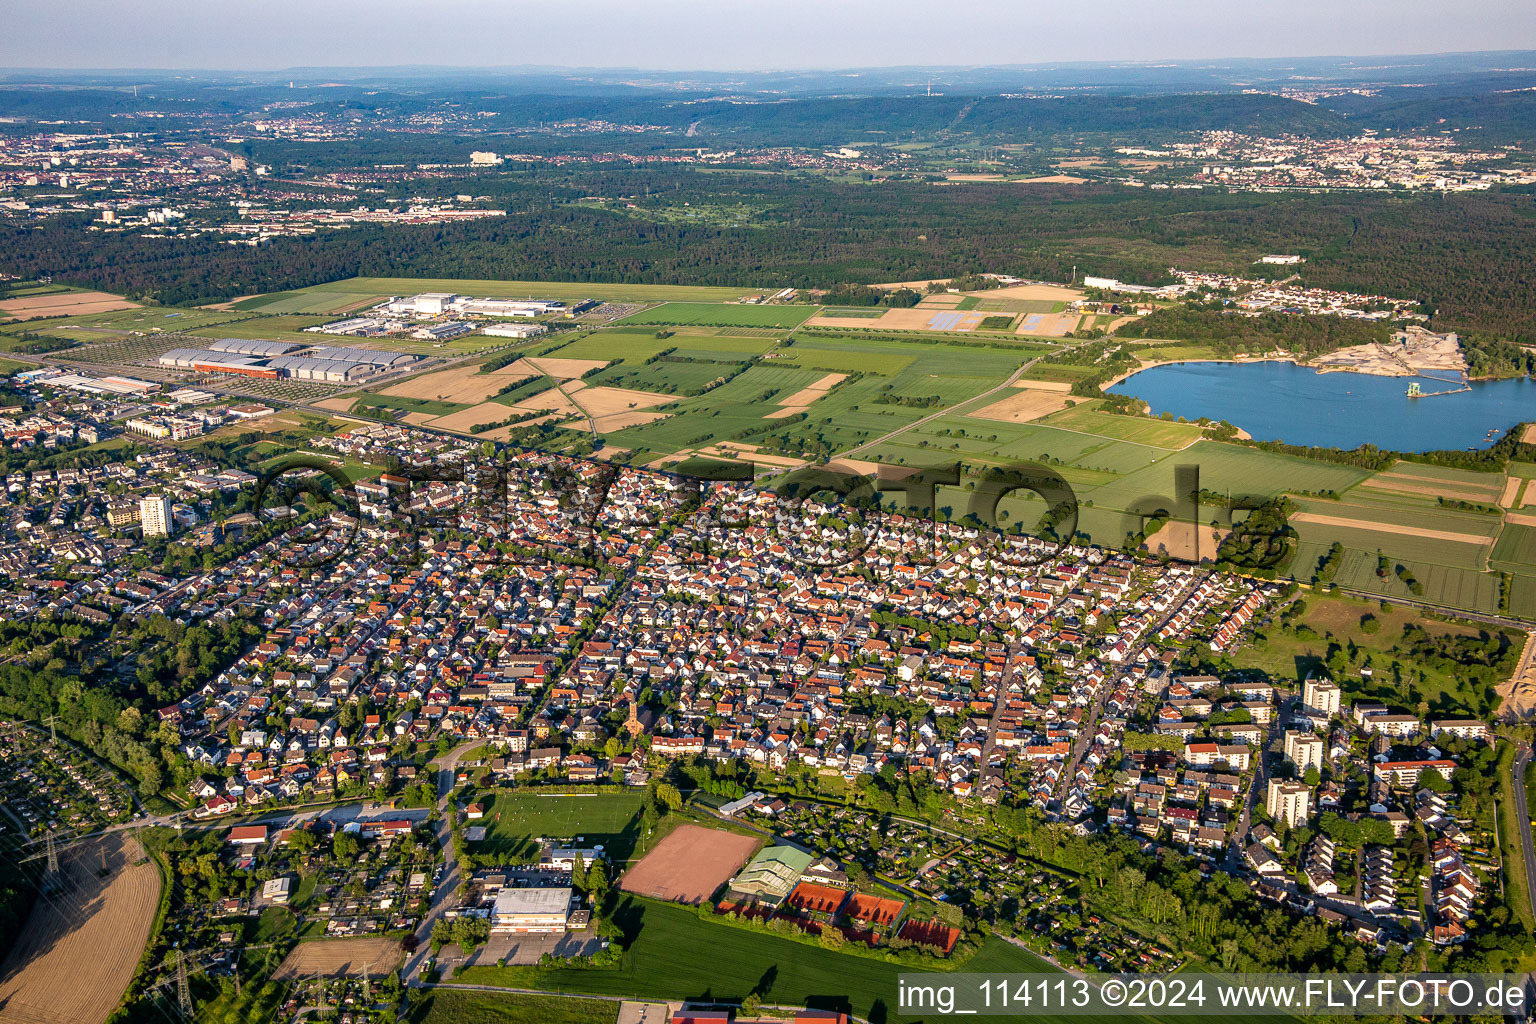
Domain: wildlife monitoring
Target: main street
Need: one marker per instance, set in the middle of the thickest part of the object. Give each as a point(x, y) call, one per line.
point(448, 885)
point(1523, 812)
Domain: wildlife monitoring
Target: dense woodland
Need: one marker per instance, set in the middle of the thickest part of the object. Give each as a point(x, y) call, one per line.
point(1230, 333)
point(1468, 257)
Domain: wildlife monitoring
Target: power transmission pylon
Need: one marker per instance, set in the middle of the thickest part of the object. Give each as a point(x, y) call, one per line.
point(183, 990)
point(53, 855)
point(367, 990)
point(53, 727)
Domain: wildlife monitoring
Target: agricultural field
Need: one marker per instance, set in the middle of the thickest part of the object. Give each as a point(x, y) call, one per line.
point(336, 958)
point(459, 385)
point(1516, 548)
point(516, 820)
point(312, 300)
point(63, 302)
point(79, 949)
point(721, 315)
point(270, 328)
point(1086, 417)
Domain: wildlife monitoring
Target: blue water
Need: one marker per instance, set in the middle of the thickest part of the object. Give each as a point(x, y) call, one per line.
point(1298, 405)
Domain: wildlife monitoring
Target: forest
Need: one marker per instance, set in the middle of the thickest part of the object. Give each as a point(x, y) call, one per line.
point(1229, 332)
point(1466, 256)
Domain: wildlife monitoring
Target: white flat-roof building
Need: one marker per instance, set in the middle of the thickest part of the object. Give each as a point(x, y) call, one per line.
point(514, 330)
point(524, 911)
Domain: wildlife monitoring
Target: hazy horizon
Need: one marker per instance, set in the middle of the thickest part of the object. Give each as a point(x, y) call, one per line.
point(681, 36)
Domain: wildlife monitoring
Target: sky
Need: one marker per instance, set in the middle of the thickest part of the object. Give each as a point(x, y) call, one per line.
point(732, 35)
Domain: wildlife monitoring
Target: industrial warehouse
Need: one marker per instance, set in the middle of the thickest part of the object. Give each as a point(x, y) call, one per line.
point(271, 360)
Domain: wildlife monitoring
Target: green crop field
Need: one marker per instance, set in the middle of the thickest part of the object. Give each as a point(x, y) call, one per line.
point(447, 1006)
point(516, 820)
point(1522, 597)
point(810, 356)
point(277, 328)
point(722, 315)
point(1516, 548)
point(636, 346)
point(150, 318)
point(1141, 430)
point(312, 300)
point(432, 406)
point(667, 378)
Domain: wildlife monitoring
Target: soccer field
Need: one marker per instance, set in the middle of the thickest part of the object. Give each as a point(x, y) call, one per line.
point(515, 821)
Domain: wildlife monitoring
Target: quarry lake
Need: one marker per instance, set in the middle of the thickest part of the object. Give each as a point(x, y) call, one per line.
point(1275, 401)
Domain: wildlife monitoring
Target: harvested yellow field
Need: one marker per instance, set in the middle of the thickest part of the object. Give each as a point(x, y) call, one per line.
point(1529, 498)
point(1033, 292)
point(1511, 491)
point(420, 419)
point(463, 384)
point(811, 392)
point(1044, 385)
point(1520, 518)
point(75, 957)
point(553, 400)
point(944, 300)
point(1186, 541)
point(474, 416)
point(865, 467)
point(336, 958)
point(1403, 483)
point(560, 369)
point(1024, 406)
point(1529, 437)
point(601, 401)
point(1405, 531)
point(338, 404)
point(64, 304)
point(733, 450)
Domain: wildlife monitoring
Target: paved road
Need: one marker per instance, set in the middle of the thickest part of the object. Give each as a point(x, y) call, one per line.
point(1523, 812)
point(447, 768)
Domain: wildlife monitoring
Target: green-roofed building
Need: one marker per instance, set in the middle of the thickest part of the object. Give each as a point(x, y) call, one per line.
point(770, 875)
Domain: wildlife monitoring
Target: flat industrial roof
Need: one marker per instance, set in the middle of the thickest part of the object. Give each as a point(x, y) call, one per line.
point(533, 901)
